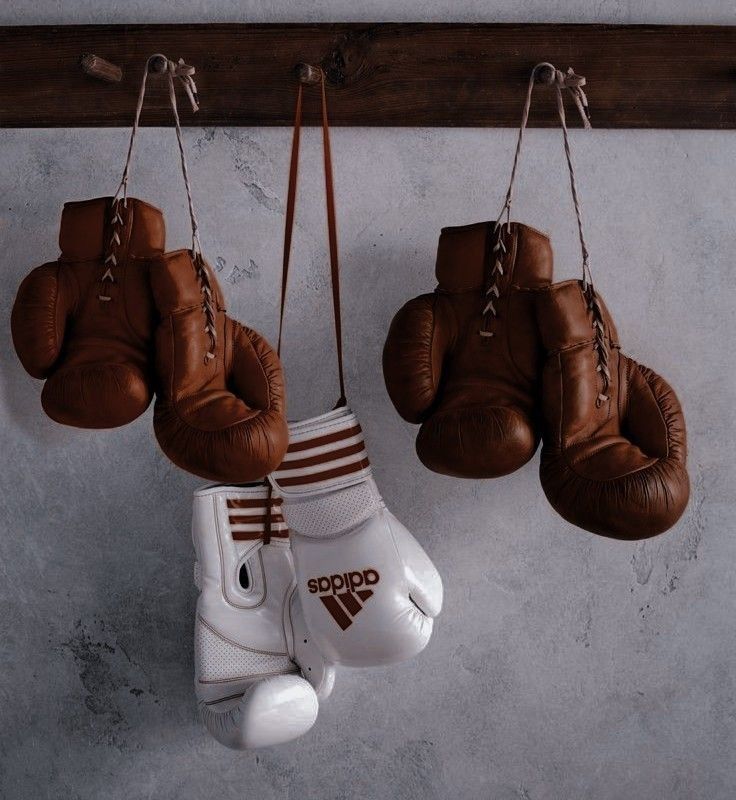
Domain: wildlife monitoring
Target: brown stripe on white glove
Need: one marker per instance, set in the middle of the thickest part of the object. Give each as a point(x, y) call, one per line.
point(324, 455)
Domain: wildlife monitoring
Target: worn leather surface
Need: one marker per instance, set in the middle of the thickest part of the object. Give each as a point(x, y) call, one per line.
point(617, 469)
point(222, 419)
point(474, 396)
point(94, 355)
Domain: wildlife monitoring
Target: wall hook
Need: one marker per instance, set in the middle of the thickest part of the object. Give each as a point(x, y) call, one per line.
point(158, 64)
point(308, 74)
point(100, 68)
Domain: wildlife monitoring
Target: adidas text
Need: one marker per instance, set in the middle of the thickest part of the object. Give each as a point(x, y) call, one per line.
point(347, 581)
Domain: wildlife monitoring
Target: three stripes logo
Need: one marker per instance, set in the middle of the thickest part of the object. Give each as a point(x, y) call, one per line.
point(344, 595)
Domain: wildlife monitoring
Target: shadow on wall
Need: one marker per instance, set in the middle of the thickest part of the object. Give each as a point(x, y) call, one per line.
point(96, 531)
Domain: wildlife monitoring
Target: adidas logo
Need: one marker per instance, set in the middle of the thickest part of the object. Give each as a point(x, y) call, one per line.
point(344, 595)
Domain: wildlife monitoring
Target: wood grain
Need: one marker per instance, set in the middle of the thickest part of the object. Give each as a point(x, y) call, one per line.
point(639, 76)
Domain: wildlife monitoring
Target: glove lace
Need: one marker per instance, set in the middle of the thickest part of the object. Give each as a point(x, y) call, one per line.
point(111, 254)
point(183, 72)
point(545, 72)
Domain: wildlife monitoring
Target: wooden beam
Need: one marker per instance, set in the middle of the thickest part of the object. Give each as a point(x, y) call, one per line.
point(639, 76)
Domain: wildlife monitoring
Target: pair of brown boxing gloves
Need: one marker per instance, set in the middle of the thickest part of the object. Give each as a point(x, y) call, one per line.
point(499, 357)
point(116, 319)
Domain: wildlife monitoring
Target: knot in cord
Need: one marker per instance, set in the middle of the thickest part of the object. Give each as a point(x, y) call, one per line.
point(184, 73)
point(548, 74)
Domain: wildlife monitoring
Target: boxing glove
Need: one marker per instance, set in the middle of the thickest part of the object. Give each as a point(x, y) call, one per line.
point(614, 448)
point(368, 590)
point(258, 676)
point(85, 321)
point(464, 361)
point(219, 410)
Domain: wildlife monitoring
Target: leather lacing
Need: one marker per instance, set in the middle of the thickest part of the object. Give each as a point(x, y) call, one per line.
point(111, 260)
point(184, 73)
point(548, 73)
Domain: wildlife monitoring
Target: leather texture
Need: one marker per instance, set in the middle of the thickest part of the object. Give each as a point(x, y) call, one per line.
point(259, 677)
point(220, 418)
point(85, 322)
point(474, 395)
point(617, 467)
point(369, 591)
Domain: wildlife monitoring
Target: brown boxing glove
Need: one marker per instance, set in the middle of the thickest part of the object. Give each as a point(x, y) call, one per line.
point(85, 321)
point(219, 409)
point(614, 450)
point(464, 361)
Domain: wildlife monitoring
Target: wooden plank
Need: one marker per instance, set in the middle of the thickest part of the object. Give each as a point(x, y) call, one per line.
point(639, 76)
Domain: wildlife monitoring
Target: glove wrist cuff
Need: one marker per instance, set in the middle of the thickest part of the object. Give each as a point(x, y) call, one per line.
point(325, 453)
point(333, 513)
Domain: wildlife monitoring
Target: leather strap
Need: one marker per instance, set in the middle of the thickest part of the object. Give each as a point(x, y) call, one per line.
point(269, 512)
point(331, 226)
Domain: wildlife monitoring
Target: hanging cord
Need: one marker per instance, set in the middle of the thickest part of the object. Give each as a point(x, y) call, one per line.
point(183, 72)
point(331, 226)
point(179, 70)
point(208, 300)
point(549, 74)
point(560, 80)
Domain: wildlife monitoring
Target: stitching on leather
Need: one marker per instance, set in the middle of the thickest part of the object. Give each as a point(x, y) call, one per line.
point(562, 399)
point(244, 558)
point(435, 384)
point(324, 425)
point(287, 620)
point(57, 345)
point(228, 338)
point(237, 644)
point(179, 311)
point(175, 409)
point(659, 408)
point(173, 362)
point(70, 275)
point(258, 359)
point(243, 678)
point(355, 479)
point(571, 467)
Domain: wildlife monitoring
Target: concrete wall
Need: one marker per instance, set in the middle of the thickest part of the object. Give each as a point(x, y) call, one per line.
point(564, 666)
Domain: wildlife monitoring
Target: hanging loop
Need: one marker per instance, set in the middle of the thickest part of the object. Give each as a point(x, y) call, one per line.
point(548, 74)
point(308, 72)
point(160, 64)
point(569, 81)
point(157, 64)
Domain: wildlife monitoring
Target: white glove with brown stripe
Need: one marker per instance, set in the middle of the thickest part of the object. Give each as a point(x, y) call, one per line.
point(368, 590)
point(258, 676)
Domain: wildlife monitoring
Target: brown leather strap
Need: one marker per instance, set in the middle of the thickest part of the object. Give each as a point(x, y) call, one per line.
point(269, 511)
point(331, 227)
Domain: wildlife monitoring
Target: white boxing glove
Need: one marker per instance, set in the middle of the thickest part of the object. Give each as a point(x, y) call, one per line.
point(258, 676)
point(368, 590)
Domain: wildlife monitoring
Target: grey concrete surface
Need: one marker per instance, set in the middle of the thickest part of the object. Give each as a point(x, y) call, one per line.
point(564, 667)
